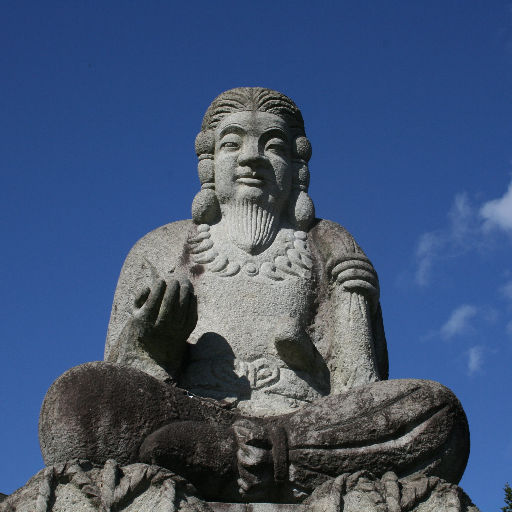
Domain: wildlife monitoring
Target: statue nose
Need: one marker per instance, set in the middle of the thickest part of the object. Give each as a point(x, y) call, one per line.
point(250, 156)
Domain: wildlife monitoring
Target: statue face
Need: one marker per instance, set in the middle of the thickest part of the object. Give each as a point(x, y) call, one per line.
point(252, 158)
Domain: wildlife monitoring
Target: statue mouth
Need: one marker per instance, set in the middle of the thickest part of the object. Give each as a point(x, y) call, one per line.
point(255, 182)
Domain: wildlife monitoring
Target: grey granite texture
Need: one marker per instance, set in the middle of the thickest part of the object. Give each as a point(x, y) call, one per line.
point(362, 492)
point(79, 486)
point(256, 507)
point(406, 426)
point(246, 349)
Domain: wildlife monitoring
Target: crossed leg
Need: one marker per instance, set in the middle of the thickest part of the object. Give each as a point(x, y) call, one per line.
point(405, 426)
point(100, 411)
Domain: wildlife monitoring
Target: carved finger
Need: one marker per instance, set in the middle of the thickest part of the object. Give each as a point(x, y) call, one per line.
point(248, 483)
point(181, 314)
point(185, 290)
point(190, 319)
point(152, 306)
point(167, 309)
point(141, 298)
point(251, 483)
point(244, 486)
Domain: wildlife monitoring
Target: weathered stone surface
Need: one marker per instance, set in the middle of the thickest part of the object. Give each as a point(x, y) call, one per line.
point(362, 492)
point(246, 349)
point(401, 425)
point(105, 411)
point(79, 486)
point(262, 264)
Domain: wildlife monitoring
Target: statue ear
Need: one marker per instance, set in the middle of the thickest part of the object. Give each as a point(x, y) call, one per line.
point(301, 210)
point(205, 207)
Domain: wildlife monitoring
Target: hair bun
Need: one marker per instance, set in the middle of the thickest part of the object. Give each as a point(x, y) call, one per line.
point(205, 143)
point(301, 148)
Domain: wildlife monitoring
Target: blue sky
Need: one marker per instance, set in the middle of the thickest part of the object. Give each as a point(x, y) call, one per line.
point(408, 106)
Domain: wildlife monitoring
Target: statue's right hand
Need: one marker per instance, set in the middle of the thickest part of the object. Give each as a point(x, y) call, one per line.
point(164, 313)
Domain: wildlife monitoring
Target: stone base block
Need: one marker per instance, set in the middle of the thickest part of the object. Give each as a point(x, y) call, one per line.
point(80, 486)
point(256, 507)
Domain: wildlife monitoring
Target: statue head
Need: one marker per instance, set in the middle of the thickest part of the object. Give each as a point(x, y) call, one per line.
point(285, 151)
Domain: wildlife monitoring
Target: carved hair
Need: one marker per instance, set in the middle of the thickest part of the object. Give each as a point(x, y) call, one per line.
point(205, 207)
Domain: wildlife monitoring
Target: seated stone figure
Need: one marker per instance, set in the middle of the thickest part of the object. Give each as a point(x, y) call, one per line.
point(246, 349)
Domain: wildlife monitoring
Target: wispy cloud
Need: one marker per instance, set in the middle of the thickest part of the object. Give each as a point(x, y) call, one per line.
point(509, 329)
point(460, 236)
point(475, 359)
point(458, 322)
point(468, 228)
point(429, 246)
point(507, 290)
point(465, 322)
point(498, 212)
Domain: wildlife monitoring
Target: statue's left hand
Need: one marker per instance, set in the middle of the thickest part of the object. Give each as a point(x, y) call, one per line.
point(360, 277)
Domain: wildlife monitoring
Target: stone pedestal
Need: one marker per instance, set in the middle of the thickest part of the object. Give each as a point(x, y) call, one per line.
point(80, 486)
point(256, 507)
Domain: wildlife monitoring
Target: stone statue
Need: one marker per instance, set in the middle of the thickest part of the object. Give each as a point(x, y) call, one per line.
point(246, 350)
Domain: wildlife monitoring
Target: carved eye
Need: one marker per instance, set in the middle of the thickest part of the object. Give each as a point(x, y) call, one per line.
point(276, 146)
point(230, 144)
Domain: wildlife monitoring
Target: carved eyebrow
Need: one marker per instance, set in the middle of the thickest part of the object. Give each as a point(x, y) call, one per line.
point(267, 134)
point(275, 131)
point(232, 128)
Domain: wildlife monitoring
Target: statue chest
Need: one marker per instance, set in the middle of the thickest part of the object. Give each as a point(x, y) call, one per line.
point(232, 351)
point(243, 310)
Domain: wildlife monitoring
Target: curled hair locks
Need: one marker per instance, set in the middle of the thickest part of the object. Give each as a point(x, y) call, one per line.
point(205, 207)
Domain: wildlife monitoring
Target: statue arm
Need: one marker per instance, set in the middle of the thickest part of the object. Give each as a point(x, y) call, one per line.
point(154, 308)
point(356, 345)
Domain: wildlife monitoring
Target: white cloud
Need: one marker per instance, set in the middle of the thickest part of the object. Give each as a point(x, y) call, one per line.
point(469, 228)
point(498, 212)
point(461, 235)
point(475, 359)
point(461, 218)
point(458, 323)
point(428, 247)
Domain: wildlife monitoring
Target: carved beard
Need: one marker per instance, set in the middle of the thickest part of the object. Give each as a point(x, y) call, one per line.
point(251, 226)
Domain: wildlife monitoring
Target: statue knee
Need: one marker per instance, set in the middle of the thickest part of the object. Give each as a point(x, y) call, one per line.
point(439, 401)
point(99, 411)
point(431, 418)
point(448, 431)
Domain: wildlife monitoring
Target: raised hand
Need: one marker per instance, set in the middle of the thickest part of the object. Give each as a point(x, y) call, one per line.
point(163, 317)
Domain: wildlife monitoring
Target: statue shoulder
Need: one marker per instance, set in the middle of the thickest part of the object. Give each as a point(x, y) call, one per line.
point(167, 240)
point(333, 243)
point(156, 254)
